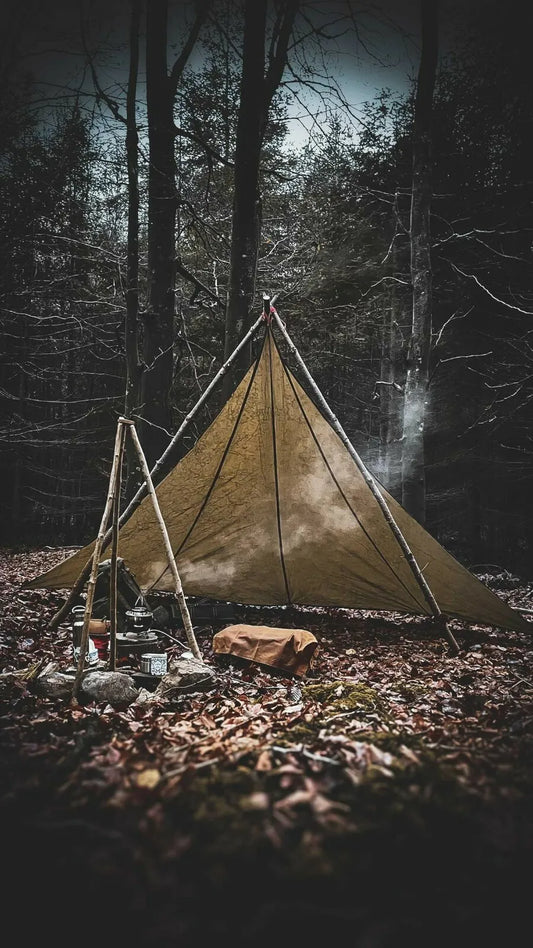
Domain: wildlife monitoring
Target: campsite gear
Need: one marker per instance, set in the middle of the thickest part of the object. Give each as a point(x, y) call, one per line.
point(274, 506)
point(99, 632)
point(138, 632)
point(154, 663)
point(128, 591)
point(133, 641)
point(139, 618)
point(209, 612)
point(113, 504)
point(91, 653)
point(290, 650)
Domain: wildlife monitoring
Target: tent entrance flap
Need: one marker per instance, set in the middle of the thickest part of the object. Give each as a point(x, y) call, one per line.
point(270, 506)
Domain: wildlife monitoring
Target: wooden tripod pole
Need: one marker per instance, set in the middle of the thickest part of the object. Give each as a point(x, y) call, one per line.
point(119, 444)
point(141, 493)
point(113, 572)
point(373, 485)
point(178, 588)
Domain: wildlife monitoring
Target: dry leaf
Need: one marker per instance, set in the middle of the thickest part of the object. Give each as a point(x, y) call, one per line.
point(264, 761)
point(255, 801)
point(407, 752)
point(148, 778)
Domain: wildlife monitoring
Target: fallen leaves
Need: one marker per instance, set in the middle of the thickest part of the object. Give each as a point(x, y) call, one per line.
point(390, 704)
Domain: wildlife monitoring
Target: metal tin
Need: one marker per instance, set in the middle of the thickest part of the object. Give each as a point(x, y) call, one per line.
point(154, 663)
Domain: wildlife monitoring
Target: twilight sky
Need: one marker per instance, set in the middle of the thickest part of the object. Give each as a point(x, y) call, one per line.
point(45, 38)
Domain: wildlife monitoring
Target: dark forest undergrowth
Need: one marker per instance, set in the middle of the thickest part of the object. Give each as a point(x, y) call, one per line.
point(384, 800)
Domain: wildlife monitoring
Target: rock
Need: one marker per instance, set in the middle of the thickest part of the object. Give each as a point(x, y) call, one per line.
point(54, 684)
point(115, 688)
point(186, 674)
point(146, 698)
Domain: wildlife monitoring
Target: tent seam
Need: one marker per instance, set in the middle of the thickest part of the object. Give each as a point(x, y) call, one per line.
point(276, 480)
point(339, 488)
point(220, 466)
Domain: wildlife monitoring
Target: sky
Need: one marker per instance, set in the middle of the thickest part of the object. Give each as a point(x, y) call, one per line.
point(47, 42)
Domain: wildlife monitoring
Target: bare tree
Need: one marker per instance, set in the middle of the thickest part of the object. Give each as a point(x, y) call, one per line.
point(257, 91)
point(133, 368)
point(416, 384)
point(158, 334)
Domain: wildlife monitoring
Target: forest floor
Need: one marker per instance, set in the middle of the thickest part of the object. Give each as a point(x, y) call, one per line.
point(384, 800)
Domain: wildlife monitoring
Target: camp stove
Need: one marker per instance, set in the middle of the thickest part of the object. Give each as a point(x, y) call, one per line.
point(138, 633)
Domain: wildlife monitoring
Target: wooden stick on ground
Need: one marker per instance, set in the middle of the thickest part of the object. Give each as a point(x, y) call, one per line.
point(113, 572)
point(119, 441)
point(372, 484)
point(187, 624)
point(159, 465)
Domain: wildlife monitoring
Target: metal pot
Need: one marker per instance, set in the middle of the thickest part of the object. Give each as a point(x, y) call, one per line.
point(139, 618)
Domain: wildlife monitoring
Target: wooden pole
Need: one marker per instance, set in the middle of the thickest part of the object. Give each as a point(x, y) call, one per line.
point(187, 624)
point(95, 561)
point(113, 572)
point(373, 485)
point(141, 493)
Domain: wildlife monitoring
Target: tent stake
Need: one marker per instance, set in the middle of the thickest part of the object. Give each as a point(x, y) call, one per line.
point(185, 615)
point(119, 444)
point(372, 484)
point(141, 493)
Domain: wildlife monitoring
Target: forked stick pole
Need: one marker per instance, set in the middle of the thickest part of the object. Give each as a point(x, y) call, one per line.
point(178, 588)
point(113, 572)
point(141, 493)
point(119, 441)
point(372, 484)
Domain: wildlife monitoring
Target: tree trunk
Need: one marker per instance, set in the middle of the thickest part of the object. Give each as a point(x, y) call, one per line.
point(132, 396)
point(158, 334)
point(246, 221)
point(416, 385)
point(257, 91)
point(132, 277)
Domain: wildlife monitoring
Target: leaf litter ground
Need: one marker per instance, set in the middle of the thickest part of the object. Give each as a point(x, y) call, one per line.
point(383, 800)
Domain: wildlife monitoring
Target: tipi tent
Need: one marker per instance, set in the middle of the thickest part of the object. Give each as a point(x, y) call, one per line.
point(269, 508)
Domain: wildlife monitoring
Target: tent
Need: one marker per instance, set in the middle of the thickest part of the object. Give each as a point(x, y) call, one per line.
point(269, 508)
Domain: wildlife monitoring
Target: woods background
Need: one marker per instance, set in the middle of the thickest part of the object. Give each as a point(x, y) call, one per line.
point(211, 152)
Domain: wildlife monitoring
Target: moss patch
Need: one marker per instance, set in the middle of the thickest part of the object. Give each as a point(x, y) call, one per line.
point(341, 696)
point(412, 690)
point(393, 741)
point(299, 733)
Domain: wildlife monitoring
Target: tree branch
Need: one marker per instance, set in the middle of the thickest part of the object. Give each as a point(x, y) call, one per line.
point(183, 58)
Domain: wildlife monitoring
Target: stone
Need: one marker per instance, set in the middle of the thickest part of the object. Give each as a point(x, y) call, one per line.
point(56, 685)
point(146, 698)
point(115, 688)
point(186, 674)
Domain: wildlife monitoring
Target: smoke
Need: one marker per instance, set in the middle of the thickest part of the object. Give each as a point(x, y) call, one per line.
point(245, 557)
point(208, 572)
point(312, 506)
point(415, 413)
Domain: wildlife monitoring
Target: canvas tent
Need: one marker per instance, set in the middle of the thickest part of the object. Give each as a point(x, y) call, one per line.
point(269, 508)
